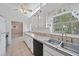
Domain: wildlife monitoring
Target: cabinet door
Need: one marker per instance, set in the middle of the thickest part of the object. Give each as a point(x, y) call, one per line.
point(45, 53)
point(26, 40)
point(29, 42)
point(2, 36)
point(2, 44)
point(51, 51)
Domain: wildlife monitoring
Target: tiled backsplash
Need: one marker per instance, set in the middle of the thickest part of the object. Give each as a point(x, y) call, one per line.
point(66, 39)
point(59, 37)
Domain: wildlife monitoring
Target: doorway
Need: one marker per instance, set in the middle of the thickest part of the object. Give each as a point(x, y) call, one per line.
point(17, 29)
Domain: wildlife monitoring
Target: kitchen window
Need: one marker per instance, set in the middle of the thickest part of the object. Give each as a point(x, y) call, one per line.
point(65, 23)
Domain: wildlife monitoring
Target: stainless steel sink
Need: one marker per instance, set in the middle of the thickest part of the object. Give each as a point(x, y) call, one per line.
point(69, 46)
point(72, 47)
point(53, 41)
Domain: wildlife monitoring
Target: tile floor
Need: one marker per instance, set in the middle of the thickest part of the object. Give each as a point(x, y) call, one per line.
point(18, 48)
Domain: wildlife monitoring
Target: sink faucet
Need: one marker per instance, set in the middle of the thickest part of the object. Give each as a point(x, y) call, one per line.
point(63, 32)
point(64, 35)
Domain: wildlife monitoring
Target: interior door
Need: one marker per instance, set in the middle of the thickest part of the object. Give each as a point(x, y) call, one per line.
point(17, 29)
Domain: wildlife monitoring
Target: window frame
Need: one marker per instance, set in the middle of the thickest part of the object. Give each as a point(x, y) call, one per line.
point(52, 23)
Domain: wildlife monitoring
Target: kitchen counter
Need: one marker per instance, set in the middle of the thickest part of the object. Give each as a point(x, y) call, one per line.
point(43, 40)
point(68, 35)
point(50, 34)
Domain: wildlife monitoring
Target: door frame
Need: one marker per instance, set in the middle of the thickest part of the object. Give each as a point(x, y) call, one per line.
point(17, 22)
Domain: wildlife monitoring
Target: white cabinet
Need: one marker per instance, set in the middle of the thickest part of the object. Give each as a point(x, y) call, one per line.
point(29, 42)
point(2, 36)
point(2, 44)
point(47, 51)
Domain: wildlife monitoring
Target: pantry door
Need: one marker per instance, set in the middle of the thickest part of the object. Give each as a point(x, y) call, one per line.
point(17, 29)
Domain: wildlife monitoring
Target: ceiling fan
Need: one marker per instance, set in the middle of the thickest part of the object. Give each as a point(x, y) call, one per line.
point(24, 9)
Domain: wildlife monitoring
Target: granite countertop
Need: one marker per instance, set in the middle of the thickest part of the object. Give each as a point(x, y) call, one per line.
point(43, 40)
point(49, 34)
point(68, 35)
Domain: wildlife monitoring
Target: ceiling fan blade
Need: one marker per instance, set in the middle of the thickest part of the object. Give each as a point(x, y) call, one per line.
point(29, 10)
point(23, 9)
point(25, 13)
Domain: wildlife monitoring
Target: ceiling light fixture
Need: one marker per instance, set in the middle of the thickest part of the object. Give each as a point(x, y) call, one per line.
point(23, 9)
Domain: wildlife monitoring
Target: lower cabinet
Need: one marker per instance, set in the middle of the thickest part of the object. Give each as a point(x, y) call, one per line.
point(47, 51)
point(29, 41)
point(3, 44)
point(38, 48)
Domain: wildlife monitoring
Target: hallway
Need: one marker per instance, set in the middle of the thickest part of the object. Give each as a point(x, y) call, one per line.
point(18, 48)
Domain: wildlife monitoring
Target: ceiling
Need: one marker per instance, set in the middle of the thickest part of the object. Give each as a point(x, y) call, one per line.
point(8, 10)
point(52, 9)
point(49, 9)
